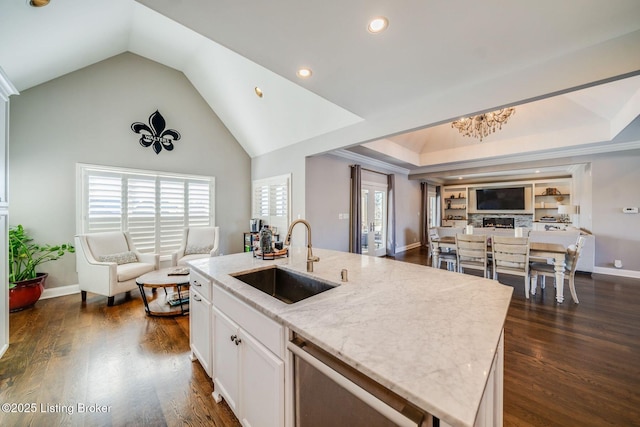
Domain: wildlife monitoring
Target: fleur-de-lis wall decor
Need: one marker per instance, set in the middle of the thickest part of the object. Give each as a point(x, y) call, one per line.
point(154, 134)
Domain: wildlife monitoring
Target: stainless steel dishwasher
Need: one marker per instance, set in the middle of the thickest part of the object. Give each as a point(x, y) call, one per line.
point(328, 392)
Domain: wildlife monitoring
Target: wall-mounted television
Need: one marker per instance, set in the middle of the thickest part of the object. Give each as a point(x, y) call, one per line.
point(500, 199)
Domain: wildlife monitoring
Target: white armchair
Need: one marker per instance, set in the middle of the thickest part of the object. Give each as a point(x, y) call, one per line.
point(197, 242)
point(108, 263)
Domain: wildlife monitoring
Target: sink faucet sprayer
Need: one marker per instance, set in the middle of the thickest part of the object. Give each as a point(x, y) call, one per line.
point(310, 258)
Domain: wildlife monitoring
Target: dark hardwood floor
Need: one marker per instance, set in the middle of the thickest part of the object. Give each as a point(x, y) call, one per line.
point(68, 353)
point(565, 365)
point(570, 364)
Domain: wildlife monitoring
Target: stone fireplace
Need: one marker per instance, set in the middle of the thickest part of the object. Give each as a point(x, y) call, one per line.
point(513, 220)
point(498, 222)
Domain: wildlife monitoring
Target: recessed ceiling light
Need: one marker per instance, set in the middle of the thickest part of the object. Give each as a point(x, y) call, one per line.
point(38, 3)
point(537, 171)
point(258, 91)
point(459, 177)
point(378, 25)
point(304, 73)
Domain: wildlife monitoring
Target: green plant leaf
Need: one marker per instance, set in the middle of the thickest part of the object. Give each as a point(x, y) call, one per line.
point(25, 256)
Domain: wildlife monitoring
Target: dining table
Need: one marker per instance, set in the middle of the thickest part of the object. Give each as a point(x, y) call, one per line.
point(553, 251)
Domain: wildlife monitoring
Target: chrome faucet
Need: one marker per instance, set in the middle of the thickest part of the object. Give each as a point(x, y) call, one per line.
point(310, 258)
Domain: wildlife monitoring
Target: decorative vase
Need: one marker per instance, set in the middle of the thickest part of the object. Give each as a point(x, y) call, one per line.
point(266, 239)
point(26, 292)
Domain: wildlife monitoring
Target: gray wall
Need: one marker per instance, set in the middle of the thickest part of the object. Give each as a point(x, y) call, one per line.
point(328, 192)
point(616, 184)
point(284, 161)
point(327, 196)
point(85, 117)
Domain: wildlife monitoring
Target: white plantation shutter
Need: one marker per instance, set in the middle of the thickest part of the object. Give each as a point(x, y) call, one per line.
point(104, 203)
point(198, 205)
point(172, 214)
point(261, 201)
point(271, 201)
point(279, 200)
point(153, 207)
point(141, 212)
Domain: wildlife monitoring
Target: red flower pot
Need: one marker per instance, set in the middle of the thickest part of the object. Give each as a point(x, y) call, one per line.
point(26, 292)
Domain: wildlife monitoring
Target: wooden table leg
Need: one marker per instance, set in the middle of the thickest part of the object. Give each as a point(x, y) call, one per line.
point(558, 264)
point(435, 257)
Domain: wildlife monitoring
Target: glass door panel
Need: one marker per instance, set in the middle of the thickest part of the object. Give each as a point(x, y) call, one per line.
point(364, 223)
point(374, 220)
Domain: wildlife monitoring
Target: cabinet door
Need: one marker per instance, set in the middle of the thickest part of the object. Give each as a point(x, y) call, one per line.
point(225, 360)
point(261, 384)
point(200, 329)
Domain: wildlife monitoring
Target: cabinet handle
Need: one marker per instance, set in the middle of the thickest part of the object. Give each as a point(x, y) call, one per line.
point(195, 297)
point(238, 341)
point(195, 282)
point(234, 337)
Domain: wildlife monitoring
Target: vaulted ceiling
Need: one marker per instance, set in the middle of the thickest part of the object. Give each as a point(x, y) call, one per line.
point(389, 96)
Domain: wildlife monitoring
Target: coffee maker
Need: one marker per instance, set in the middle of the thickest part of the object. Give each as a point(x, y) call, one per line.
point(255, 225)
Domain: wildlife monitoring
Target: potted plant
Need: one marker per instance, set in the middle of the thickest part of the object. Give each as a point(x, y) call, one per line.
point(25, 284)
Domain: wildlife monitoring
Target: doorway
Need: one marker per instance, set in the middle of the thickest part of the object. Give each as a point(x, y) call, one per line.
point(374, 219)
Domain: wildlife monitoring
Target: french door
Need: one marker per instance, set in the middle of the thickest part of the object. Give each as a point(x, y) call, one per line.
point(374, 219)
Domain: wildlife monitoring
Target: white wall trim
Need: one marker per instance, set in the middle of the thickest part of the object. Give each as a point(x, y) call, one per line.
point(369, 161)
point(407, 247)
point(527, 157)
point(617, 272)
point(60, 291)
point(6, 87)
point(4, 349)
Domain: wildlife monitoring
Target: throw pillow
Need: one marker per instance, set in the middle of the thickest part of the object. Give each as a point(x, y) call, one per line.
point(192, 249)
point(119, 258)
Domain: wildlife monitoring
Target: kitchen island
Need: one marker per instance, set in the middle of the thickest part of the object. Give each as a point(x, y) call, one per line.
point(431, 336)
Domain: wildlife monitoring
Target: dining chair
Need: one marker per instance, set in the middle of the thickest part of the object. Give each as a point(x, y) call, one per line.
point(471, 252)
point(544, 269)
point(448, 257)
point(511, 256)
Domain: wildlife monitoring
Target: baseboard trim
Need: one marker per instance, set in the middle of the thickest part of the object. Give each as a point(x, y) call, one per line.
point(60, 291)
point(4, 349)
point(617, 272)
point(406, 248)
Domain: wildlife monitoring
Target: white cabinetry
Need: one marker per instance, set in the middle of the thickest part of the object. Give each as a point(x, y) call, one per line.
point(454, 223)
point(550, 226)
point(248, 362)
point(200, 337)
point(225, 356)
point(262, 384)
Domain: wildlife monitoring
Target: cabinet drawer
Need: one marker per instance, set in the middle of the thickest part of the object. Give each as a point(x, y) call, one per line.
point(200, 284)
point(268, 332)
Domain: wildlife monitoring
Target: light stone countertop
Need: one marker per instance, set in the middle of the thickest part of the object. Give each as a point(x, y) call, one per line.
point(429, 335)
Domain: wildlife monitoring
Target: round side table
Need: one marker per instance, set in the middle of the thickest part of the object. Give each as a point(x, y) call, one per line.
point(171, 303)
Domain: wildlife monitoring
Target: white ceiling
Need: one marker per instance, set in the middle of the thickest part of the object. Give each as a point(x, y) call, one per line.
point(438, 60)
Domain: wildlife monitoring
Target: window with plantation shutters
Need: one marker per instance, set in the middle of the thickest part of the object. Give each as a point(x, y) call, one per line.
point(154, 207)
point(271, 201)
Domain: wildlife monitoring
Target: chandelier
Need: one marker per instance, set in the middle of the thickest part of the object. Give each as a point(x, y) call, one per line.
point(482, 125)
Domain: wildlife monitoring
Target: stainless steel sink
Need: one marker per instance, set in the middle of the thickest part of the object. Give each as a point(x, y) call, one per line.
point(287, 286)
